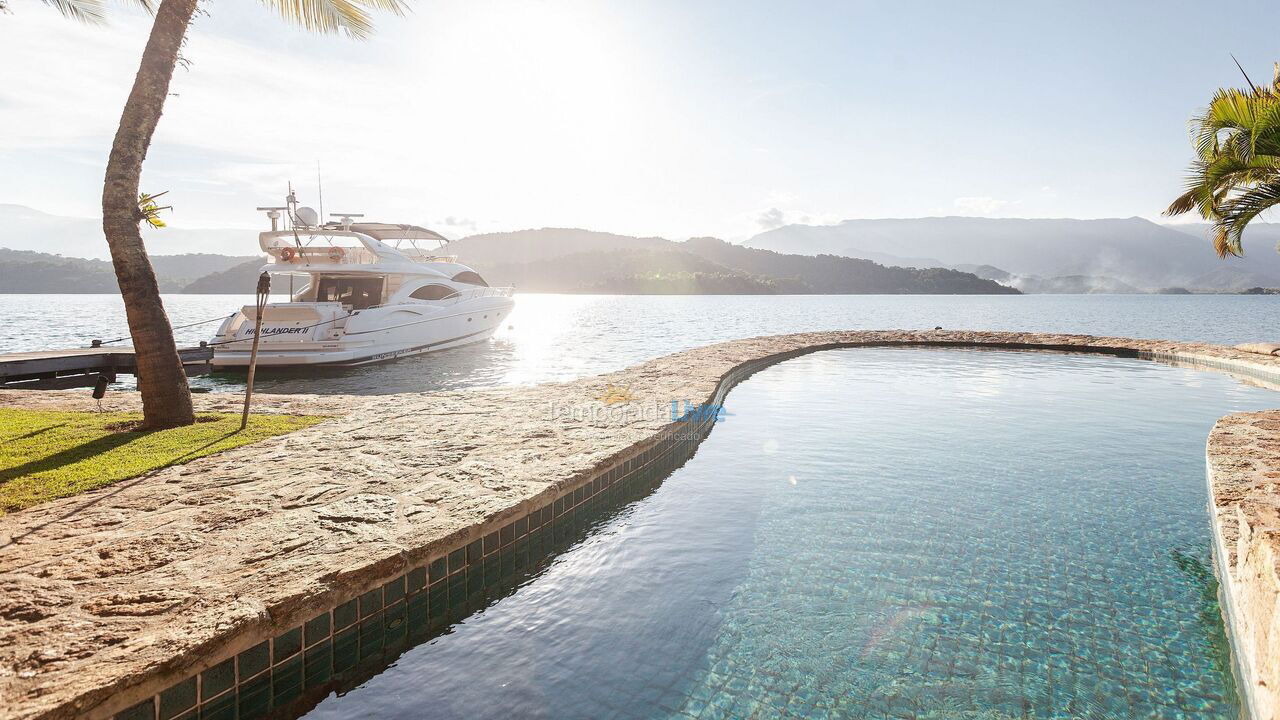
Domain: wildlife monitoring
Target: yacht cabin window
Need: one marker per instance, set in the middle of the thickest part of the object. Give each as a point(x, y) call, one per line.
point(433, 292)
point(357, 293)
point(470, 277)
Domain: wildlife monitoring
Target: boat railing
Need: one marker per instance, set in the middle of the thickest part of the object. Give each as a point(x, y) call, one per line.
point(420, 256)
point(321, 254)
point(480, 292)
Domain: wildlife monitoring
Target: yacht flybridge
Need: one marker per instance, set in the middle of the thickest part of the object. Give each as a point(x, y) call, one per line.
point(368, 292)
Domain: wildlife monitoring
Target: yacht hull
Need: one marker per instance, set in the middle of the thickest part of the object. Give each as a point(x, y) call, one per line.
point(370, 336)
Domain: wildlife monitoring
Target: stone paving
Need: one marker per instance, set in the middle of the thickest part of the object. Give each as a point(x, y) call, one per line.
point(109, 596)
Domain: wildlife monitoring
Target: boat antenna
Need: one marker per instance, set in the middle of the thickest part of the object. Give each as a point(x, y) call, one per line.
point(320, 188)
point(292, 201)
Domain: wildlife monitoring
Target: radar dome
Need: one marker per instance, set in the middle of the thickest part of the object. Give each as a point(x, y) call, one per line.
point(308, 216)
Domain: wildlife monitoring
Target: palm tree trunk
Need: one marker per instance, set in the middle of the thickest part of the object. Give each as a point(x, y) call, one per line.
point(166, 399)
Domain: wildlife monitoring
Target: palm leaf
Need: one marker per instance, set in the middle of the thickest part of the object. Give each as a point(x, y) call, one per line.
point(331, 16)
point(1186, 202)
point(1240, 210)
point(91, 12)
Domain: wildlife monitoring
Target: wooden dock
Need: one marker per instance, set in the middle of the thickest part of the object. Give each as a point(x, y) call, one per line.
point(82, 367)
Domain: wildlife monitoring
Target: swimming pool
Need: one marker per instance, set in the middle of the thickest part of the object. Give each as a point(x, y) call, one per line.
point(881, 533)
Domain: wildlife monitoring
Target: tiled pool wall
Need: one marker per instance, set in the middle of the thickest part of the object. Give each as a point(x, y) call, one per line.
point(1242, 658)
point(283, 673)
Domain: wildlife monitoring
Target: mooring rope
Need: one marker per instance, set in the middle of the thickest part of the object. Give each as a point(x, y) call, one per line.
point(179, 327)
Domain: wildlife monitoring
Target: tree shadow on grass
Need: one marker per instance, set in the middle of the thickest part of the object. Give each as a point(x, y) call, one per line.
point(69, 456)
point(111, 489)
point(33, 433)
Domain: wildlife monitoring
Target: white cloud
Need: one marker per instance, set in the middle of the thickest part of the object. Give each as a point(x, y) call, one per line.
point(772, 218)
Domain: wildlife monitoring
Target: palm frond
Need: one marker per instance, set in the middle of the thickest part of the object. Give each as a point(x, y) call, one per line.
point(332, 16)
point(1225, 245)
point(1241, 209)
point(90, 12)
point(1236, 175)
point(1184, 203)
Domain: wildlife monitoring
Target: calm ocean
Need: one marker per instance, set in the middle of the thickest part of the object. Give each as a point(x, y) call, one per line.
point(559, 337)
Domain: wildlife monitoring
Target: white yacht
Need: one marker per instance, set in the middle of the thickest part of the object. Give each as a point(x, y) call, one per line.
point(360, 293)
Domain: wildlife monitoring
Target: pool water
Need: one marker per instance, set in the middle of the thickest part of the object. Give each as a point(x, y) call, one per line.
point(878, 533)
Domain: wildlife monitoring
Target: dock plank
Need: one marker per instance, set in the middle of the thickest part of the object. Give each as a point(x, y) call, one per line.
point(48, 364)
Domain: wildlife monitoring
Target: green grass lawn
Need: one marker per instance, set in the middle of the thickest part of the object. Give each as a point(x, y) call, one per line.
point(50, 454)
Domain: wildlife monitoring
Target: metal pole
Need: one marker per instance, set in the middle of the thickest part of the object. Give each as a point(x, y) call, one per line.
point(264, 290)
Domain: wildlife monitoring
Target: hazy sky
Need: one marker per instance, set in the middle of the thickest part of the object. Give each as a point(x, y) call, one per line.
point(665, 117)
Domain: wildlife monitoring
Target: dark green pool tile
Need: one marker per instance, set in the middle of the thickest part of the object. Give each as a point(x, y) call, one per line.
point(370, 602)
point(457, 560)
point(145, 710)
point(416, 579)
point(286, 645)
point(475, 552)
point(255, 697)
point(439, 569)
point(286, 682)
point(346, 650)
point(491, 543)
point(371, 634)
point(536, 540)
point(522, 526)
point(221, 708)
point(417, 612)
point(507, 534)
point(507, 567)
point(393, 592)
point(318, 665)
point(457, 587)
point(316, 629)
point(395, 624)
point(218, 678)
point(253, 661)
point(439, 600)
point(178, 699)
point(345, 614)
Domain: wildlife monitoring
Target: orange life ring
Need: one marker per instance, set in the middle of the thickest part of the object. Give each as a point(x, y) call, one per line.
point(336, 253)
point(288, 254)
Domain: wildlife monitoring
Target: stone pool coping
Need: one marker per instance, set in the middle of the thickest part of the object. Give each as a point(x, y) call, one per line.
point(111, 597)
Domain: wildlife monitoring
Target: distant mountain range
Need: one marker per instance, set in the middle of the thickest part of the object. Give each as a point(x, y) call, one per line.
point(23, 271)
point(571, 260)
point(549, 260)
point(931, 255)
point(1108, 254)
